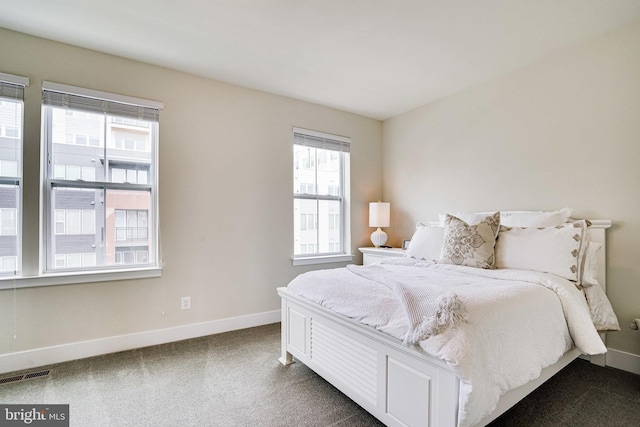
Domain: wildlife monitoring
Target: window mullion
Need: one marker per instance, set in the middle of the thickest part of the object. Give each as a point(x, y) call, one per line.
point(107, 177)
point(49, 211)
point(317, 192)
point(317, 196)
point(99, 185)
point(317, 225)
point(343, 227)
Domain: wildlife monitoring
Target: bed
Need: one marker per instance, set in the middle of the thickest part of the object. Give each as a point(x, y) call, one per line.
point(408, 378)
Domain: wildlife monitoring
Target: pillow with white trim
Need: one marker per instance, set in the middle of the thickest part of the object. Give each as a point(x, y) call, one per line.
point(535, 219)
point(553, 250)
point(426, 243)
point(470, 245)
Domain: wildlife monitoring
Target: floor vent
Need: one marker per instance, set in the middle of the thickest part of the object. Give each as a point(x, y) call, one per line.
point(25, 376)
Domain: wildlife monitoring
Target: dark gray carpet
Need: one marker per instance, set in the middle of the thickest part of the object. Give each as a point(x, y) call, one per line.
point(230, 379)
point(234, 379)
point(581, 394)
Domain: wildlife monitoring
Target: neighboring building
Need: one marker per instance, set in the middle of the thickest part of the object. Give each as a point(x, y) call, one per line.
point(317, 221)
point(10, 173)
point(100, 227)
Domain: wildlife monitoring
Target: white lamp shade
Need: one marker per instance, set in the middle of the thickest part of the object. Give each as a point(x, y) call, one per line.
point(379, 214)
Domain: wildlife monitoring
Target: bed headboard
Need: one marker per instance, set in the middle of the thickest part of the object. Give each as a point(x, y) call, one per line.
point(596, 232)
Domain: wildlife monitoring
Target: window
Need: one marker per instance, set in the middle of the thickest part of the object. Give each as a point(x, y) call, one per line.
point(101, 180)
point(132, 176)
point(74, 221)
point(11, 126)
point(321, 174)
point(334, 222)
point(132, 225)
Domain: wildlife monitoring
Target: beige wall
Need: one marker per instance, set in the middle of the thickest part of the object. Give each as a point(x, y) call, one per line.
point(226, 209)
point(564, 132)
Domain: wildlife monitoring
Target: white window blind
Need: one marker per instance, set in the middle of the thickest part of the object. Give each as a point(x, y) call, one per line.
point(322, 141)
point(71, 97)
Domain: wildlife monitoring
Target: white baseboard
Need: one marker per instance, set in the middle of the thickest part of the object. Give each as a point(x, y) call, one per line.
point(62, 353)
point(622, 360)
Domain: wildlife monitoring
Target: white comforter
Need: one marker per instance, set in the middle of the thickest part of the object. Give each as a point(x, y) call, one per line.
point(519, 322)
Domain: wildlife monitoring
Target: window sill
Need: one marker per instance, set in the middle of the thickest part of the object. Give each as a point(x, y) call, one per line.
point(80, 277)
point(327, 259)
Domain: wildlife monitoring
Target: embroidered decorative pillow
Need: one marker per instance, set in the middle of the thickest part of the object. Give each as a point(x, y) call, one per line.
point(426, 243)
point(471, 218)
point(470, 245)
point(554, 250)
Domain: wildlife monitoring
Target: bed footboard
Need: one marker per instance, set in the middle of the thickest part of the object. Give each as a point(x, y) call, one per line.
point(399, 385)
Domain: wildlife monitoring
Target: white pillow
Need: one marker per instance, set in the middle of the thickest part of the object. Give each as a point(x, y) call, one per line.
point(602, 314)
point(517, 218)
point(589, 267)
point(426, 243)
point(535, 219)
point(550, 249)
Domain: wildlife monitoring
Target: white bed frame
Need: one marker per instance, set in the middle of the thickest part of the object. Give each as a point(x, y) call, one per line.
point(399, 385)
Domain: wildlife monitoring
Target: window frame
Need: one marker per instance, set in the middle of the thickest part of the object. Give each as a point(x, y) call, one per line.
point(341, 146)
point(12, 90)
point(48, 265)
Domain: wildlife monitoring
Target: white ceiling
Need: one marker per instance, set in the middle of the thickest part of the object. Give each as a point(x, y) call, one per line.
point(377, 58)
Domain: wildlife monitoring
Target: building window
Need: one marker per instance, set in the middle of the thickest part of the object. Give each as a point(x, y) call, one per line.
point(8, 264)
point(321, 165)
point(132, 225)
point(75, 260)
point(11, 131)
point(74, 221)
point(334, 222)
point(101, 180)
point(74, 172)
point(8, 222)
point(131, 176)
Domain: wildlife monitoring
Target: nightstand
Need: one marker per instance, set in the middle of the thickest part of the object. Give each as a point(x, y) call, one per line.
point(371, 255)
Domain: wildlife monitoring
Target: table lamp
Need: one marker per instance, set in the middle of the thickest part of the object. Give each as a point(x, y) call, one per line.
point(379, 216)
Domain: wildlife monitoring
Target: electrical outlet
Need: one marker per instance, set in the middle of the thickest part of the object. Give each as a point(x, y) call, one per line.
point(185, 303)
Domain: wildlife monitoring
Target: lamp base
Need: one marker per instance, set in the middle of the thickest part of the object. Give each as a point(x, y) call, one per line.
point(378, 238)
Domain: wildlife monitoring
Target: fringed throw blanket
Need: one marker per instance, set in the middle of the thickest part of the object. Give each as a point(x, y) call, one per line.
point(410, 304)
point(430, 308)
